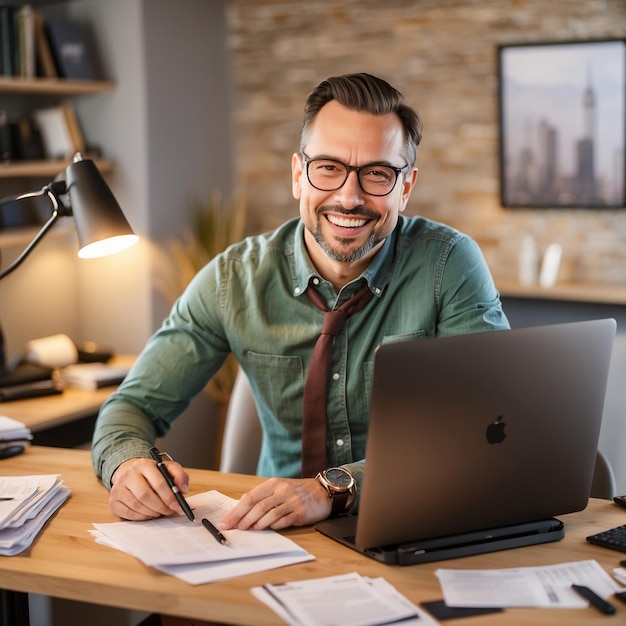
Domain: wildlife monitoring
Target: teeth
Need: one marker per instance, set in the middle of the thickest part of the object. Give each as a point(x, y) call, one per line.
point(346, 222)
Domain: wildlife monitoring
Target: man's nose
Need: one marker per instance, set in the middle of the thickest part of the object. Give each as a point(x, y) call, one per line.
point(350, 194)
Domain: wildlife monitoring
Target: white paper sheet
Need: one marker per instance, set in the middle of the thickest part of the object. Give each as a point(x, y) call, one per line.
point(178, 547)
point(33, 500)
point(27, 492)
point(547, 587)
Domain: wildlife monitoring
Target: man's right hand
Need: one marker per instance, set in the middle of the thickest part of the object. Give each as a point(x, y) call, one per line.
point(139, 491)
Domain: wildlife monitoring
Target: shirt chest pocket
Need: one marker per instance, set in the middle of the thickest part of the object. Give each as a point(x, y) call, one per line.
point(280, 381)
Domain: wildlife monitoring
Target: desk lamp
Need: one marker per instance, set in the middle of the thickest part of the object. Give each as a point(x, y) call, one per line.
point(101, 225)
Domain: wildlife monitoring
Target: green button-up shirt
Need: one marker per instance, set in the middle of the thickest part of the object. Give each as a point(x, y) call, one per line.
point(428, 280)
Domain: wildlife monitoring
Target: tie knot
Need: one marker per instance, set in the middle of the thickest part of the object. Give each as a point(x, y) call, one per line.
point(333, 321)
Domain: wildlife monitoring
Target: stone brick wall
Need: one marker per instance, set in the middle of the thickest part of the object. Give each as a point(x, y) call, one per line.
point(442, 54)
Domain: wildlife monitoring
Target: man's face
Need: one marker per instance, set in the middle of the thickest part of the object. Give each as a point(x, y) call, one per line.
point(348, 225)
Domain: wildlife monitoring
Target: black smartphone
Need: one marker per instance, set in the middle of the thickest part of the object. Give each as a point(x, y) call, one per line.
point(621, 500)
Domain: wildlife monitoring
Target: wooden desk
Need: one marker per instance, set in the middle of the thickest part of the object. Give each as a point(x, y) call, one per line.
point(66, 562)
point(63, 420)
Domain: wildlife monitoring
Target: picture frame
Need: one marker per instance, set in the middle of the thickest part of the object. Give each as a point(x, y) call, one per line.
point(562, 113)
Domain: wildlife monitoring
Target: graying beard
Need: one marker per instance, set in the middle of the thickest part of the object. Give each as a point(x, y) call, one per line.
point(356, 255)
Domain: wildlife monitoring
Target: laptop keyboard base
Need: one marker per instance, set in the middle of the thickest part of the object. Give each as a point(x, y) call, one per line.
point(456, 546)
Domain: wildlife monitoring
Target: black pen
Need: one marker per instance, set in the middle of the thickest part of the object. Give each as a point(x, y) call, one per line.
point(156, 455)
point(594, 599)
point(214, 531)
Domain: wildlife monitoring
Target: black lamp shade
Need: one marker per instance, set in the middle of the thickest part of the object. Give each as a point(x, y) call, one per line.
point(101, 225)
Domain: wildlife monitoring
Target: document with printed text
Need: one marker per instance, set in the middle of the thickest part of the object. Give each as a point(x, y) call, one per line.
point(346, 599)
point(547, 586)
point(187, 550)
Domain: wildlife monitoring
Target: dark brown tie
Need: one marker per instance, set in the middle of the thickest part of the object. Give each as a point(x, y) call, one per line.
point(314, 456)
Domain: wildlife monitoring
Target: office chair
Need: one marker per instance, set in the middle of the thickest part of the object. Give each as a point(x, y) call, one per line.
point(603, 484)
point(241, 442)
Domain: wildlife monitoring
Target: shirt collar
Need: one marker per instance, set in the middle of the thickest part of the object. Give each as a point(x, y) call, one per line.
point(377, 274)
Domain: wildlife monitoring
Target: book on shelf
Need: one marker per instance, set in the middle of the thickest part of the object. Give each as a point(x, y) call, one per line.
point(17, 37)
point(8, 43)
point(6, 138)
point(73, 126)
point(26, 59)
point(26, 139)
point(69, 48)
point(32, 46)
point(45, 61)
point(60, 131)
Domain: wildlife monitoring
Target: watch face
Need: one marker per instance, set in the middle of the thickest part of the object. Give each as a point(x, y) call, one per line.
point(338, 477)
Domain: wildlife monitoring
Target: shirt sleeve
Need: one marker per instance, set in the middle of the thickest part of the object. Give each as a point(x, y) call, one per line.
point(468, 300)
point(356, 469)
point(176, 364)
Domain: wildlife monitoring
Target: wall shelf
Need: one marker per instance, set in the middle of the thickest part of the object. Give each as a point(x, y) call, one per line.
point(53, 86)
point(21, 237)
point(571, 292)
point(46, 169)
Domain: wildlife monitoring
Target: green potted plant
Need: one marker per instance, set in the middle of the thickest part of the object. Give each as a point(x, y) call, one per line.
point(215, 224)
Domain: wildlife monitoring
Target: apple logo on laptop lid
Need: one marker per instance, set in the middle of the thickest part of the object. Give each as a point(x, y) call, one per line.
point(495, 431)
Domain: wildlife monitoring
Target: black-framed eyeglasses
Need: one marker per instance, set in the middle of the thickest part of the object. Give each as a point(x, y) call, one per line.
point(375, 179)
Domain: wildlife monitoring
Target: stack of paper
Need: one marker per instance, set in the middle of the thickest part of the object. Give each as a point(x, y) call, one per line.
point(26, 503)
point(93, 375)
point(14, 437)
point(176, 546)
point(348, 599)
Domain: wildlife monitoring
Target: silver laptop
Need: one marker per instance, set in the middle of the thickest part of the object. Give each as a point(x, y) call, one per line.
point(477, 441)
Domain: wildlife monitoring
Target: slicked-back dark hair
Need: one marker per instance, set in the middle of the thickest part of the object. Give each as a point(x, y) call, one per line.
point(367, 94)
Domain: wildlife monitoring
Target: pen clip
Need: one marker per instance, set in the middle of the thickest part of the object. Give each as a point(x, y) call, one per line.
point(166, 455)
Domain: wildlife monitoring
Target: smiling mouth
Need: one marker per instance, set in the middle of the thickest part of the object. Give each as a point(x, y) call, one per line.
point(346, 222)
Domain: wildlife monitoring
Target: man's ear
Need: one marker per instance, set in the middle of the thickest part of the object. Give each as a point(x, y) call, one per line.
point(407, 187)
point(296, 175)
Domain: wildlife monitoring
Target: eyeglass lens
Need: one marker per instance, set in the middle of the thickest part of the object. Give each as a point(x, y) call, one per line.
point(328, 175)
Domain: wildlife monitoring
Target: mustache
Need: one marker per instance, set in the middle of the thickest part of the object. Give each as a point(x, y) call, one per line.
point(359, 211)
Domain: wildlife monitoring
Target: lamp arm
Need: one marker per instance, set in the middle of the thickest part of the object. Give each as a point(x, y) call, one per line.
point(58, 210)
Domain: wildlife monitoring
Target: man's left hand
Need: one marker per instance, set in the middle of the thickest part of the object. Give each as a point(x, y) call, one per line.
point(279, 503)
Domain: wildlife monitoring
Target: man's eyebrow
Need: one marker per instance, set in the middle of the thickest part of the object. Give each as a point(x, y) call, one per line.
point(334, 158)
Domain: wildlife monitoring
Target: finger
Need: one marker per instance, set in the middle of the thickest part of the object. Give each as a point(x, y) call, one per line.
point(140, 491)
point(128, 509)
point(162, 488)
point(251, 507)
point(128, 504)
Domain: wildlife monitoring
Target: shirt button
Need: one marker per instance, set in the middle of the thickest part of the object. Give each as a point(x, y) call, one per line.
point(316, 281)
point(297, 290)
point(340, 442)
point(335, 376)
point(377, 290)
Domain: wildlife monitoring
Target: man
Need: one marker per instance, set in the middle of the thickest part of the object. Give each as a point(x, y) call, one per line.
point(353, 176)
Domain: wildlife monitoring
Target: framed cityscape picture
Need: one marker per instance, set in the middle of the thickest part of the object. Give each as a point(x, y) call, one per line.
point(562, 124)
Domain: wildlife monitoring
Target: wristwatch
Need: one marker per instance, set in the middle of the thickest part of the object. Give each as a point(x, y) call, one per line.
point(340, 486)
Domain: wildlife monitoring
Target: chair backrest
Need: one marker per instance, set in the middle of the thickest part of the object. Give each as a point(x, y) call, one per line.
point(603, 484)
point(241, 442)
